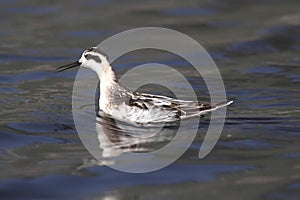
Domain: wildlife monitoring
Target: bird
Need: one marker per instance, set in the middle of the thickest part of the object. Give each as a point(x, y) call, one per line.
point(141, 109)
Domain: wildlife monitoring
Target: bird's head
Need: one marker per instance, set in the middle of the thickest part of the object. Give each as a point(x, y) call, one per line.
point(92, 58)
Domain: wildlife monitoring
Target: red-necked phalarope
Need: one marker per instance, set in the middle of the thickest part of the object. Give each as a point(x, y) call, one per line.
point(123, 104)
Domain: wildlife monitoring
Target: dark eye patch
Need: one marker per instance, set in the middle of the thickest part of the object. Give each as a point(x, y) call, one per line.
point(93, 57)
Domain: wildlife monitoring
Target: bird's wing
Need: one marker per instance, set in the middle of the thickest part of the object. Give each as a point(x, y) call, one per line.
point(166, 109)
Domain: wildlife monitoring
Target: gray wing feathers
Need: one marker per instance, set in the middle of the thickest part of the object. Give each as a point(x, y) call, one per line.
point(169, 109)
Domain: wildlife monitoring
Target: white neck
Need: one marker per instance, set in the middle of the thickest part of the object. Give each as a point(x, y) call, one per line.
point(108, 81)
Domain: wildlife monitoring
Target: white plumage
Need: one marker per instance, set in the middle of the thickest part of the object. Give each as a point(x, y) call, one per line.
point(136, 108)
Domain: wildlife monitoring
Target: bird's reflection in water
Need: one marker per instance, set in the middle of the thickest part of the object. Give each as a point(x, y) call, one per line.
point(116, 143)
point(116, 138)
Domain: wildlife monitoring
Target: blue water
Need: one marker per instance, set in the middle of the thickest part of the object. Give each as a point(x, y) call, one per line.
point(255, 45)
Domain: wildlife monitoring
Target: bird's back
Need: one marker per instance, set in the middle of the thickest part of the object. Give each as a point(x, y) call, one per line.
point(145, 109)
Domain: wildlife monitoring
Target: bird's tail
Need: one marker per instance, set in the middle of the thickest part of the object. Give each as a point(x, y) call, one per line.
point(223, 104)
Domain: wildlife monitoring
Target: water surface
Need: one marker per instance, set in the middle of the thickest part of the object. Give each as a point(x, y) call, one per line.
point(256, 45)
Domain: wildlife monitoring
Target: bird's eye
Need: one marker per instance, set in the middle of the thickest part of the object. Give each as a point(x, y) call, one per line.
point(92, 57)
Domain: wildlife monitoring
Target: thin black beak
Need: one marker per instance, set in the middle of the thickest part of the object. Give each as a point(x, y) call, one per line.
point(68, 66)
